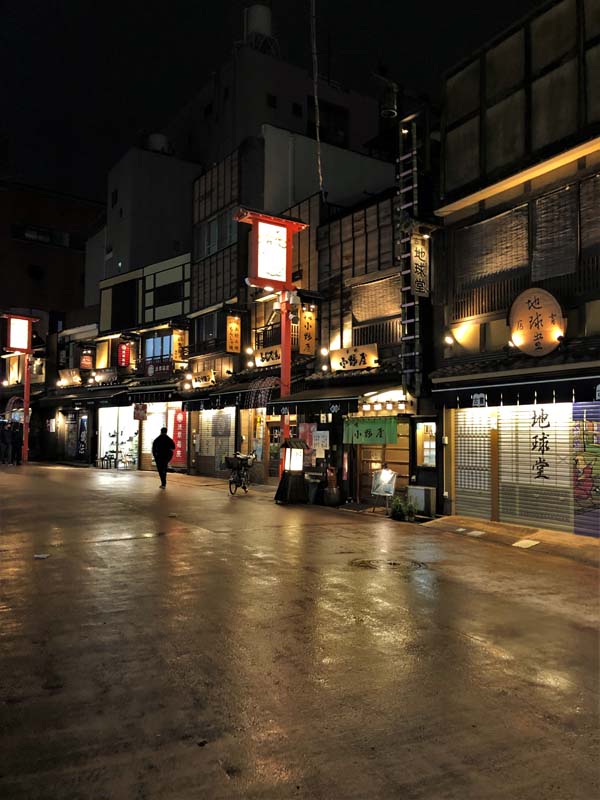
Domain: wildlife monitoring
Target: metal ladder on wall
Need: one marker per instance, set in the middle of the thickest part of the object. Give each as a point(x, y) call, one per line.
point(405, 211)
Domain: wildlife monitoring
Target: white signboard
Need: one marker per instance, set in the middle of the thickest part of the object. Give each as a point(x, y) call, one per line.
point(18, 334)
point(384, 483)
point(272, 252)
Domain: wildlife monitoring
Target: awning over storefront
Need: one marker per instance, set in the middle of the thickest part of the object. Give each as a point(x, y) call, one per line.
point(506, 391)
point(327, 399)
point(254, 394)
point(114, 397)
point(156, 393)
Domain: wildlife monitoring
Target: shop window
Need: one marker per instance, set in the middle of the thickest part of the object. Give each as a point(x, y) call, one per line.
point(425, 450)
point(158, 347)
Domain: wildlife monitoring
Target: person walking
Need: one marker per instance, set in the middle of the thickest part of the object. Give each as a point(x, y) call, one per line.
point(6, 443)
point(163, 448)
point(3, 442)
point(17, 443)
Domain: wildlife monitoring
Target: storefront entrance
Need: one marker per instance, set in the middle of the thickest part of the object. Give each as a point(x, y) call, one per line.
point(174, 419)
point(118, 438)
point(530, 464)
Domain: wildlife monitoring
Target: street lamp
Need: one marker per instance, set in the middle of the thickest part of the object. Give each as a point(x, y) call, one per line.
point(19, 342)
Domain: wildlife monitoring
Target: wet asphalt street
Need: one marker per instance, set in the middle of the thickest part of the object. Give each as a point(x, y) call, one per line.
point(245, 650)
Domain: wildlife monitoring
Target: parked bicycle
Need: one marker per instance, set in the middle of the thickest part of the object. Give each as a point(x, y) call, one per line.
point(240, 465)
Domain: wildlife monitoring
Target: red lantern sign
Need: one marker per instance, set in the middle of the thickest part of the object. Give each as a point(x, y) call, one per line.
point(124, 355)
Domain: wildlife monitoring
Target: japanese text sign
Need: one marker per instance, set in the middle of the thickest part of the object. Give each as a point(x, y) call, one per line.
point(19, 334)
point(268, 356)
point(536, 322)
point(140, 411)
point(272, 252)
point(371, 430)
point(350, 358)
point(124, 355)
point(419, 265)
point(307, 333)
point(234, 335)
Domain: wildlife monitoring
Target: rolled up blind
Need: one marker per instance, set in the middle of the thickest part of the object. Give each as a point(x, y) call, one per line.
point(555, 235)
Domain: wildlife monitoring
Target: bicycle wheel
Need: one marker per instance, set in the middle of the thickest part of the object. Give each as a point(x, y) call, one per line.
point(232, 487)
point(245, 481)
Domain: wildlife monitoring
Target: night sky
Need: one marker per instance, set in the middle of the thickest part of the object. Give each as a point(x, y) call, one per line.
point(82, 79)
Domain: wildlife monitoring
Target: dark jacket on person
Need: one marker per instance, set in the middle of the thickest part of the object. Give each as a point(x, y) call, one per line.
point(163, 447)
point(5, 434)
point(17, 436)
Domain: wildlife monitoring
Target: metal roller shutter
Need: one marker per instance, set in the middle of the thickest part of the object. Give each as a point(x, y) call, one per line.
point(472, 462)
point(535, 465)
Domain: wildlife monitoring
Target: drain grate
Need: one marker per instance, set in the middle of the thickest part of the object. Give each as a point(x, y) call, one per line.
point(380, 563)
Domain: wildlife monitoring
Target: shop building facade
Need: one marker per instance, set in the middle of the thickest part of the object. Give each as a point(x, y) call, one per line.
point(519, 370)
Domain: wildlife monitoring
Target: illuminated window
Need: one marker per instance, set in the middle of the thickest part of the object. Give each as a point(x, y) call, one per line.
point(425, 444)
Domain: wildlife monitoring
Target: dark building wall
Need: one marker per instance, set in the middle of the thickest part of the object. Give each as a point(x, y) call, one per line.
point(42, 248)
point(526, 96)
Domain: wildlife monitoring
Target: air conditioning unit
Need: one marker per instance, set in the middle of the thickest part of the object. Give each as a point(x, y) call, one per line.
point(423, 499)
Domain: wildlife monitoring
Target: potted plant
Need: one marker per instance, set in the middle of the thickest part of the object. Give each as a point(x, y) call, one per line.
point(398, 508)
point(410, 512)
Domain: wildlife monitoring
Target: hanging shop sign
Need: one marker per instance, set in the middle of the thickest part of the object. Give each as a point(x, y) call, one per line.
point(271, 248)
point(307, 333)
point(158, 369)
point(86, 360)
point(124, 354)
point(349, 358)
point(180, 436)
point(370, 430)
point(419, 265)
point(536, 322)
point(108, 375)
point(140, 411)
point(202, 379)
point(69, 377)
point(479, 400)
point(268, 356)
point(19, 334)
point(234, 335)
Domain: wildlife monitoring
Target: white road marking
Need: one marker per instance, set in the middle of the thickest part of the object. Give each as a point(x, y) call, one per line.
point(525, 543)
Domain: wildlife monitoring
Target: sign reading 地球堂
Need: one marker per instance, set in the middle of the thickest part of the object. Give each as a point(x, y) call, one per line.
point(536, 322)
point(419, 265)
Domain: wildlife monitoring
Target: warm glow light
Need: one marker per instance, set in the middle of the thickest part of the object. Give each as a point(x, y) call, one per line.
point(250, 364)
point(517, 339)
point(249, 350)
point(511, 343)
point(324, 367)
point(448, 339)
point(187, 386)
point(4, 383)
point(377, 407)
point(366, 407)
point(268, 288)
point(557, 333)
point(462, 332)
point(90, 380)
point(324, 351)
point(389, 406)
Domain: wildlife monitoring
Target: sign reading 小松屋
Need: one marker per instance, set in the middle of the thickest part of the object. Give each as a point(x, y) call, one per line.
point(307, 333)
point(419, 265)
point(536, 322)
point(350, 358)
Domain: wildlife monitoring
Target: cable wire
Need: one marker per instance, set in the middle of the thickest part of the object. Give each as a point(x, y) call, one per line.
point(315, 66)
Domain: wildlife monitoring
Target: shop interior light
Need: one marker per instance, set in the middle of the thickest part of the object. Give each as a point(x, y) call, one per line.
point(377, 407)
point(324, 367)
point(366, 407)
point(389, 406)
point(370, 394)
point(324, 351)
point(448, 339)
point(401, 406)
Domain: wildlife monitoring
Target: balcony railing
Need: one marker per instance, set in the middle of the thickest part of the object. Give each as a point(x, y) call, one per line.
point(202, 348)
point(384, 332)
point(270, 335)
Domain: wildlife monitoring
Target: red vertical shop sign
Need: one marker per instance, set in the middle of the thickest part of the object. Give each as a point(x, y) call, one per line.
point(180, 438)
point(124, 355)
